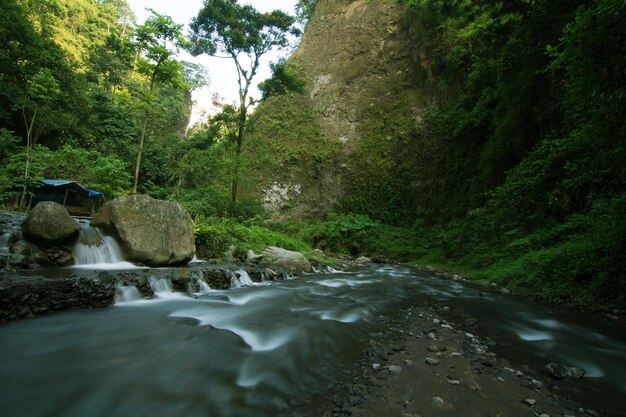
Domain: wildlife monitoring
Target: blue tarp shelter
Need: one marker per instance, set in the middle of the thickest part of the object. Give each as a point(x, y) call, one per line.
point(75, 197)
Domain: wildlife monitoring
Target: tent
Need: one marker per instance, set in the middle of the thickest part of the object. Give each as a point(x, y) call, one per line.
point(76, 198)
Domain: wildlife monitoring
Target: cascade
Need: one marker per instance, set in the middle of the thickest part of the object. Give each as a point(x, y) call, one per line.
point(204, 287)
point(161, 287)
point(240, 278)
point(4, 244)
point(94, 248)
point(126, 294)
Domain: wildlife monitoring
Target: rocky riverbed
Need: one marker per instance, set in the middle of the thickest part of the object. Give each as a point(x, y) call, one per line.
point(426, 365)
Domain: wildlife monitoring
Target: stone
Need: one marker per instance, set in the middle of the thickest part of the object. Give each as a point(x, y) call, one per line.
point(454, 382)
point(253, 258)
point(529, 401)
point(295, 261)
point(363, 260)
point(431, 361)
point(395, 369)
point(151, 232)
point(558, 371)
point(49, 224)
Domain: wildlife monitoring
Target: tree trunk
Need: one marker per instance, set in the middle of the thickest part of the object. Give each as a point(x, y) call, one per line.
point(240, 132)
point(139, 153)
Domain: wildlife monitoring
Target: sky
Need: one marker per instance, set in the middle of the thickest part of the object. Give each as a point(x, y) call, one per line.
point(222, 74)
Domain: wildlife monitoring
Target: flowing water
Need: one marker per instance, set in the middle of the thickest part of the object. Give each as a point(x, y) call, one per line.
point(98, 251)
point(263, 350)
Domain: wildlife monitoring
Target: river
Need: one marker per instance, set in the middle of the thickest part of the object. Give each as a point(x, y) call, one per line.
point(269, 349)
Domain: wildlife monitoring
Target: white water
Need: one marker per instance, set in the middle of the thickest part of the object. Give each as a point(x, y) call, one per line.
point(204, 287)
point(161, 286)
point(126, 294)
point(97, 250)
point(240, 279)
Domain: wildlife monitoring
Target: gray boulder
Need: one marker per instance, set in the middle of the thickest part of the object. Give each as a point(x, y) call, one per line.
point(559, 371)
point(295, 261)
point(363, 260)
point(49, 224)
point(152, 232)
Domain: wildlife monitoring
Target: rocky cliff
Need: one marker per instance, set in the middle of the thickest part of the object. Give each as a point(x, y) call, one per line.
point(338, 143)
point(355, 54)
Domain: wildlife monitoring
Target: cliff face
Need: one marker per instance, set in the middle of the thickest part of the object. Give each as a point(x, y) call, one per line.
point(356, 57)
point(360, 102)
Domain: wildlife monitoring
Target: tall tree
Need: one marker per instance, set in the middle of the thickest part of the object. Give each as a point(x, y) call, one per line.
point(158, 40)
point(224, 28)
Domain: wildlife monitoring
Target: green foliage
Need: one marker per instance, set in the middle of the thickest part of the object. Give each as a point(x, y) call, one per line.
point(214, 237)
point(284, 79)
point(238, 31)
point(337, 233)
point(305, 9)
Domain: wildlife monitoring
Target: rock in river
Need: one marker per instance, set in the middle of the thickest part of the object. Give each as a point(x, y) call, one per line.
point(49, 224)
point(558, 371)
point(295, 261)
point(152, 232)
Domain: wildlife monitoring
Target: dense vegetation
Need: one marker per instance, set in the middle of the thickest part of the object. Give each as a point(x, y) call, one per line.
point(522, 159)
point(81, 83)
point(516, 175)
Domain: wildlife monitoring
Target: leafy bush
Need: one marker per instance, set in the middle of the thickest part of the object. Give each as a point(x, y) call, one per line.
point(215, 236)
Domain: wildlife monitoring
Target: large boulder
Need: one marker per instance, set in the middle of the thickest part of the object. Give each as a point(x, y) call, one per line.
point(152, 232)
point(49, 224)
point(295, 261)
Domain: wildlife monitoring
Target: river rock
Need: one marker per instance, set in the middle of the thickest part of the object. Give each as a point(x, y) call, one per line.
point(295, 261)
point(253, 258)
point(558, 371)
point(49, 224)
point(363, 260)
point(152, 232)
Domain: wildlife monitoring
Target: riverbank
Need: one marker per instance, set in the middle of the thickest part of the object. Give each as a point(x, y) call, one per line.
point(427, 362)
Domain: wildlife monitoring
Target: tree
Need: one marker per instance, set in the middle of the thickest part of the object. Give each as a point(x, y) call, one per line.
point(224, 28)
point(158, 39)
point(37, 103)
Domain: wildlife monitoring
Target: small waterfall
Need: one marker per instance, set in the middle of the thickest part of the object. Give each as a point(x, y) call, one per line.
point(240, 278)
point(161, 287)
point(332, 270)
point(94, 248)
point(204, 287)
point(126, 294)
point(5, 238)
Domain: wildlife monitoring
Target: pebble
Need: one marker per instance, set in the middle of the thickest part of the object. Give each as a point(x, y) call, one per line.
point(446, 309)
point(432, 336)
point(454, 382)
point(408, 362)
point(455, 354)
point(447, 326)
point(438, 401)
point(536, 384)
point(529, 401)
point(544, 415)
point(436, 321)
point(501, 379)
point(395, 369)
point(433, 348)
point(376, 366)
point(431, 361)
